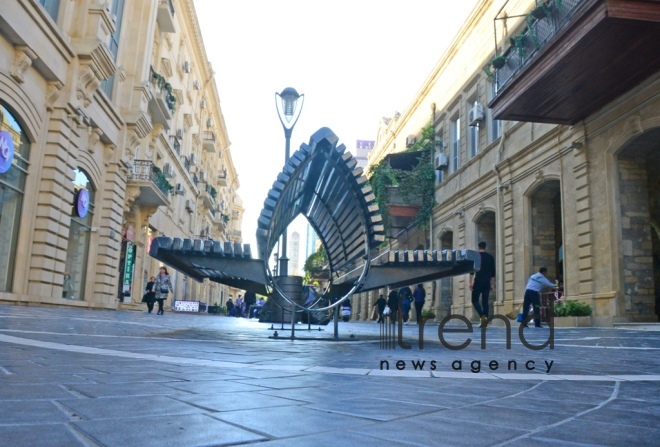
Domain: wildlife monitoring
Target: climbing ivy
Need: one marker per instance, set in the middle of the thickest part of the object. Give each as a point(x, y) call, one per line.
point(414, 185)
point(315, 263)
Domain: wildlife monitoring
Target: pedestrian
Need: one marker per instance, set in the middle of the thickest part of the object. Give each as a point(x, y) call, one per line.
point(380, 303)
point(250, 300)
point(162, 286)
point(419, 296)
point(230, 307)
point(393, 304)
point(533, 295)
point(406, 300)
point(261, 302)
point(149, 296)
point(238, 306)
point(482, 283)
point(346, 310)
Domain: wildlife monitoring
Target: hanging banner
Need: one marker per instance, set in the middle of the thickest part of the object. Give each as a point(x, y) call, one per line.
point(6, 151)
point(128, 269)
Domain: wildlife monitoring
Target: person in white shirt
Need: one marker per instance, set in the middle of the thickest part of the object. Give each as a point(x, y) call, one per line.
point(533, 294)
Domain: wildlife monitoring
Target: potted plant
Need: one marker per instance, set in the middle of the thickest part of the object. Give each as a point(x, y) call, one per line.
point(572, 314)
point(499, 62)
point(215, 309)
point(540, 12)
point(428, 314)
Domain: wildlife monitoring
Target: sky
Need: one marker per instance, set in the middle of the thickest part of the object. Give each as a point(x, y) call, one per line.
point(355, 61)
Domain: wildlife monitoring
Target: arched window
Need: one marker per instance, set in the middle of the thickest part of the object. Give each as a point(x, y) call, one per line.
point(82, 211)
point(14, 156)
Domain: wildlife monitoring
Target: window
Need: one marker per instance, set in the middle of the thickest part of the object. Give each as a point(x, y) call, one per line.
point(440, 147)
point(117, 10)
point(494, 125)
point(455, 159)
point(52, 7)
point(473, 135)
point(75, 266)
point(12, 187)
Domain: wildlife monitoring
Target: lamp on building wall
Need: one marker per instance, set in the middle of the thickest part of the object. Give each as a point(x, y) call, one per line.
point(289, 104)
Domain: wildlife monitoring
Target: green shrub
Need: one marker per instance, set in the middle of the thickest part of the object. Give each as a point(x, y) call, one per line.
point(428, 313)
point(572, 309)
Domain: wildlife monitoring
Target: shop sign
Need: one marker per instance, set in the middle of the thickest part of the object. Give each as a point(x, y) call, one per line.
point(128, 269)
point(130, 233)
point(186, 306)
point(6, 151)
point(82, 202)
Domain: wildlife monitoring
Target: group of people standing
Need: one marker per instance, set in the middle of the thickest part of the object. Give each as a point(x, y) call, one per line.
point(391, 305)
point(157, 290)
point(247, 307)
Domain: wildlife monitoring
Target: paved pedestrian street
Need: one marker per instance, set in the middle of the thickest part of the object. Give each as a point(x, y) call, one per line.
point(74, 377)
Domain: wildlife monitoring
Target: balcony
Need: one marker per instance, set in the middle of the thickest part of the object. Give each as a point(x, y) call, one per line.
point(161, 104)
point(165, 17)
point(154, 187)
point(402, 213)
point(208, 141)
point(208, 195)
point(222, 178)
point(581, 56)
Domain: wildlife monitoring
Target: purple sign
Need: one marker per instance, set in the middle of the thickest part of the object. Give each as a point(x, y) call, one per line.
point(6, 151)
point(82, 202)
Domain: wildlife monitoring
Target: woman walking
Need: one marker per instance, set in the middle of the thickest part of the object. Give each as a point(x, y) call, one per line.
point(150, 296)
point(162, 286)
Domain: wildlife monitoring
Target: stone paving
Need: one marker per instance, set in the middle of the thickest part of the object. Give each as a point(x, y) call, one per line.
point(73, 377)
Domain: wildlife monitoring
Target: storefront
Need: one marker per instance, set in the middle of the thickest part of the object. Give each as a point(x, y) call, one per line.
point(14, 156)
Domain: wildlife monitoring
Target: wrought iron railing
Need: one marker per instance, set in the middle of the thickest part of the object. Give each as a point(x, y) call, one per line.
point(146, 170)
point(542, 24)
point(177, 146)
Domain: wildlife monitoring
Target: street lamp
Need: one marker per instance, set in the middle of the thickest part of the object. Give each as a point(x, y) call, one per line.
point(289, 104)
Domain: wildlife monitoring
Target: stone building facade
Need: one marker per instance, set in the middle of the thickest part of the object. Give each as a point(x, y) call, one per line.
point(579, 199)
point(118, 137)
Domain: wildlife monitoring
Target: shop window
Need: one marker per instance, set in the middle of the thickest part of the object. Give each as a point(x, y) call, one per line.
point(82, 212)
point(14, 156)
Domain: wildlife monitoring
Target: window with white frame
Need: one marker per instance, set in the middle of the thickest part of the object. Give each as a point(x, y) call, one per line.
point(494, 126)
point(473, 135)
point(440, 149)
point(455, 135)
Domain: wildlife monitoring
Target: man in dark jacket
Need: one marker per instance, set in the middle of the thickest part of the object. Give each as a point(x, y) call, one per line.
point(393, 303)
point(482, 283)
point(419, 296)
point(380, 303)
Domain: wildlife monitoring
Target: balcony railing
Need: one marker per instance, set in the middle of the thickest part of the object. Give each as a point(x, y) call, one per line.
point(146, 170)
point(177, 146)
point(543, 23)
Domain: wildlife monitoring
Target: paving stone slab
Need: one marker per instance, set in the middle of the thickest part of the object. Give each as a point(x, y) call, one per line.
point(603, 434)
point(192, 430)
point(289, 421)
point(432, 431)
point(33, 392)
point(127, 407)
point(126, 389)
point(379, 410)
point(38, 435)
point(214, 387)
point(30, 412)
point(333, 439)
point(236, 401)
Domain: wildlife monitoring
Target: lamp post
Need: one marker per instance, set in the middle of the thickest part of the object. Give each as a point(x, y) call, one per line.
point(288, 110)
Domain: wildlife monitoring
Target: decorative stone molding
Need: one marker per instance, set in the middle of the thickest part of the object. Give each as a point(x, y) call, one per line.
point(52, 94)
point(132, 193)
point(633, 125)
point(88, 82)
point(145, 213)
point(23, 57)
point(94, 137)
point(108, 153)
point(166, 67)
point(156, 132)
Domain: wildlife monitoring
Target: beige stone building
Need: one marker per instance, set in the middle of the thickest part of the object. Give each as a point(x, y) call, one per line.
point(566, 178)
point(118, 137)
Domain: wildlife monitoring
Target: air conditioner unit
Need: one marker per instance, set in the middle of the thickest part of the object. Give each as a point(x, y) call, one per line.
point(186, 67)
point(179, 189)
point(209, 122)
point(218, 208)
point(202, 103)
point(476, 114)
point(410, 140)
point(196, 85)
point(202, 176)
point(441, 161)
point(179, 133)
point(193, 159)
point(189, 206)
point(168, 170)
